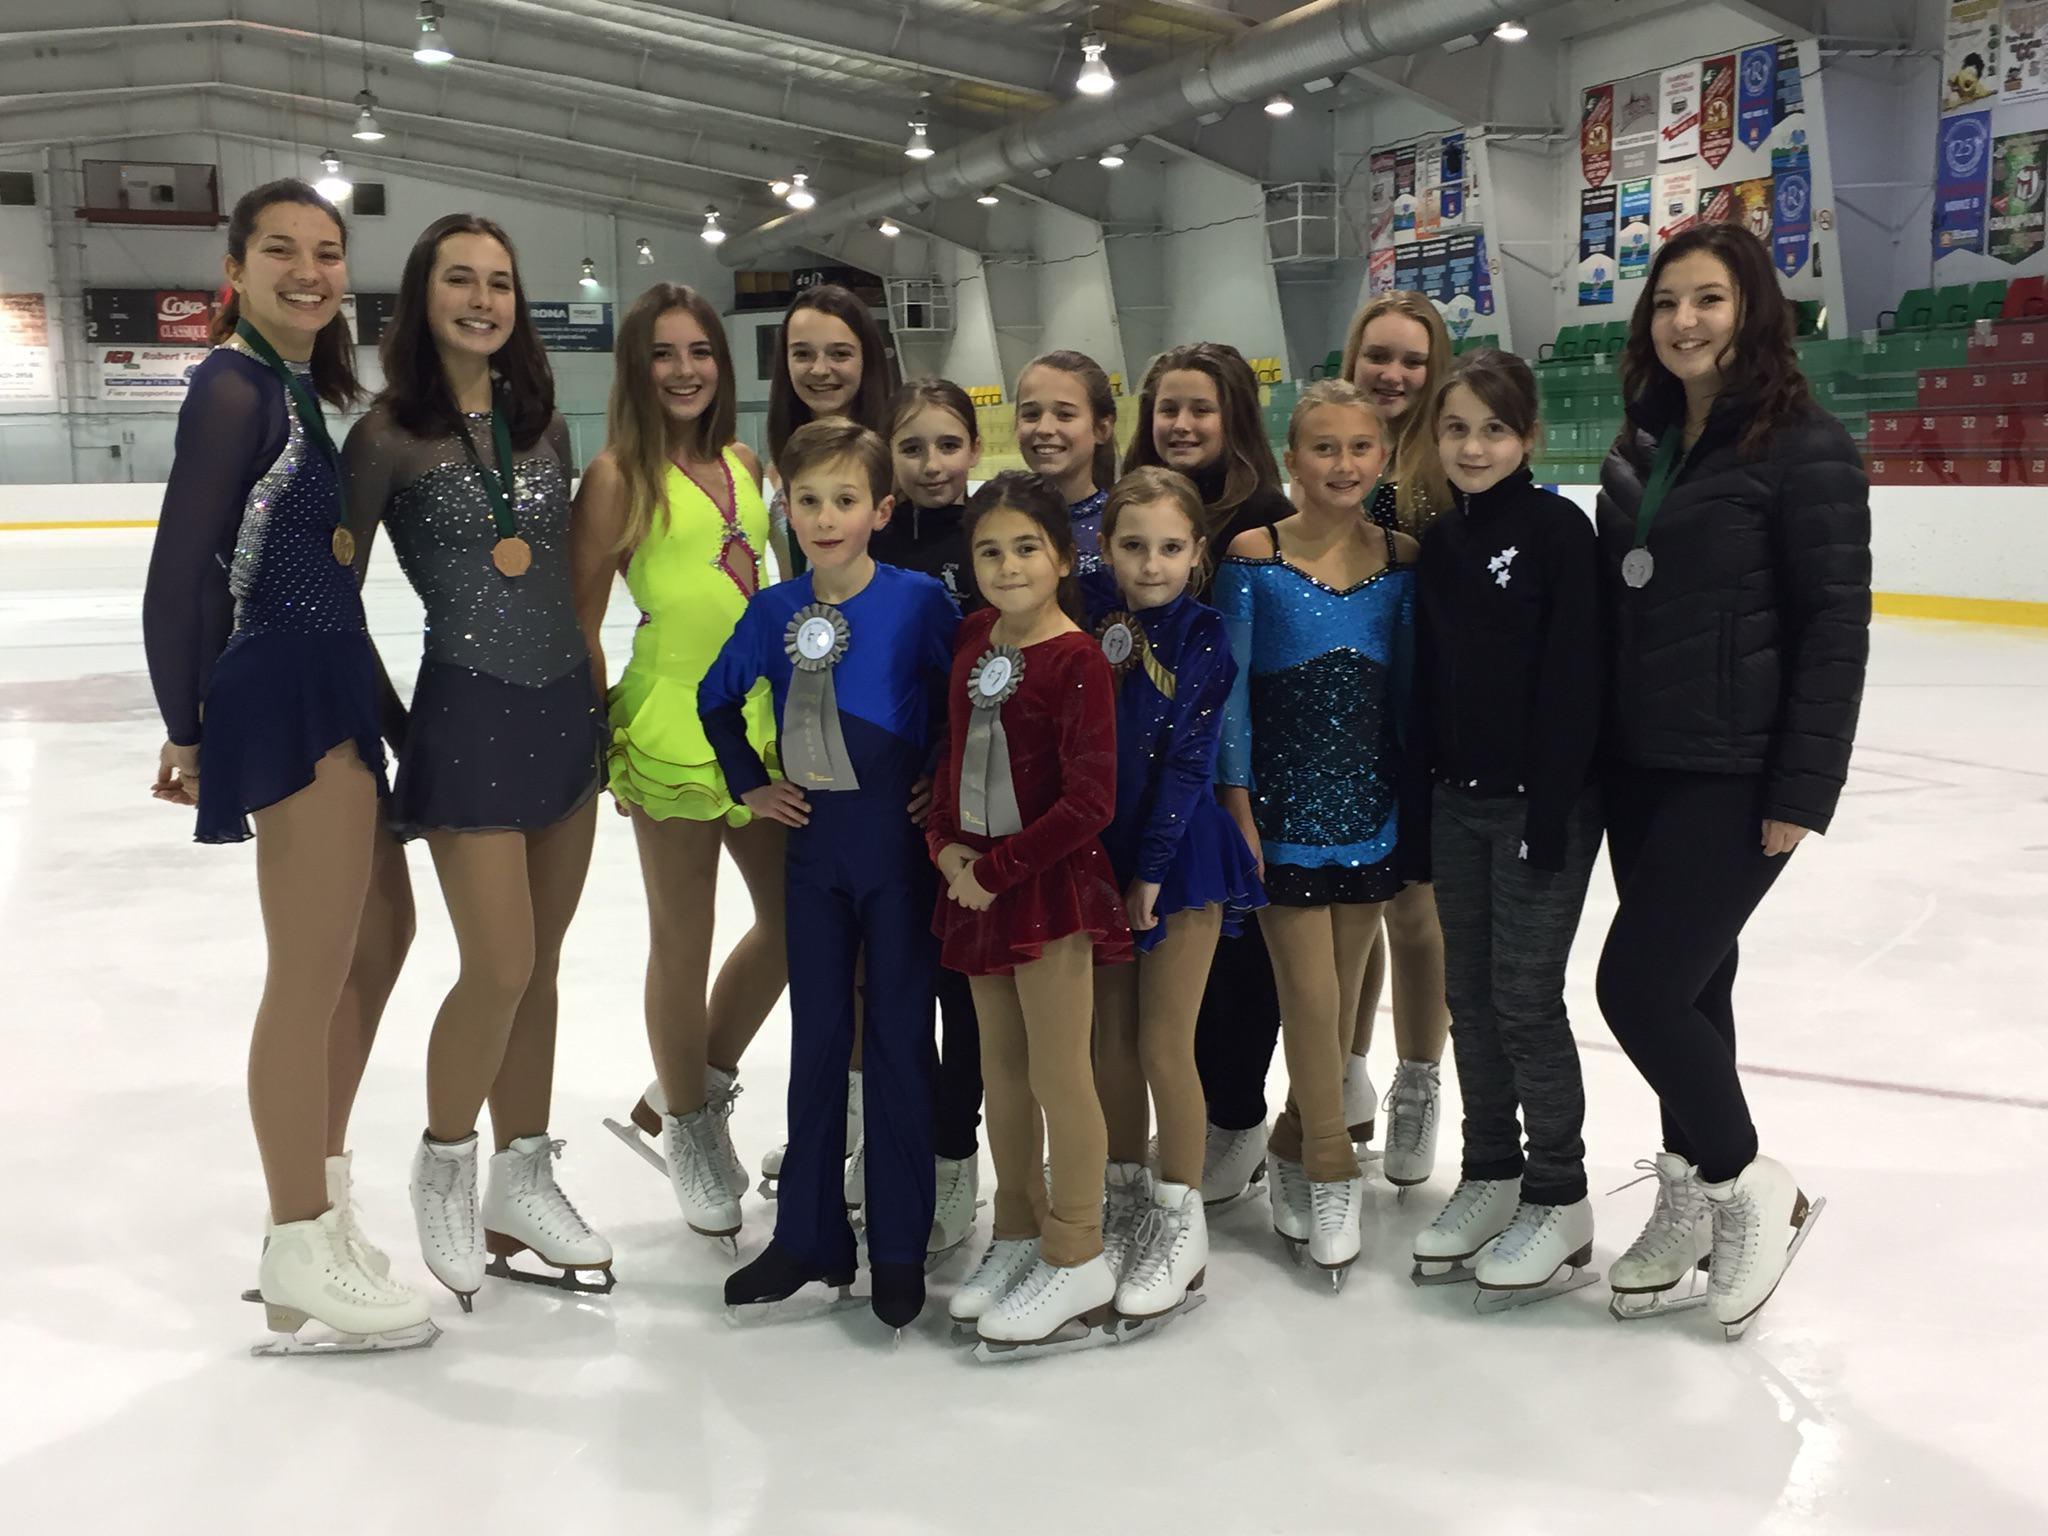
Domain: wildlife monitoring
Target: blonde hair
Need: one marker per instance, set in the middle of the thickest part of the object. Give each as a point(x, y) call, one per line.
point(636, 425)
point(1422, 489)
point(1335, 392)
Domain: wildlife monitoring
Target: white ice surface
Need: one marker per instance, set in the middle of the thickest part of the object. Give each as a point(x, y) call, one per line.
point(1892, 999)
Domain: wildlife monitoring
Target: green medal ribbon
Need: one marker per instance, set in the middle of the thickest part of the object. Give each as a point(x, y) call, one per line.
point(306, 406)
point(1638, 565)
point(498, 486)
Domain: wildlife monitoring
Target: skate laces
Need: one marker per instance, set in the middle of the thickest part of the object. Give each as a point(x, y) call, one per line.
point(542, 1174)
point(993, 1262)
point(1411, 1107)
point(1668, 1221)
point(1331, 1210)
point(1157, 1237)
point(693, 1146)
point(1465, 1200)
point(1735, 1232)
point(1526, 1227)
point(720, 1098)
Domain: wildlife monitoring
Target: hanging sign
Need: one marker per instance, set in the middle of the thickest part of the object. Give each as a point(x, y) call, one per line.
point(1962, 188)
point(1717, 109)
point(1758, 84)
point(1596, 245)
point(1635, 126)
point(1969, 59)
point(1677, 203)
point(1791, 84)
point(1632, 254)
point(1678, 113)
point(2025, 46)
point(2016, 225)
point(24, 347)
point(1791, 218)
point(1596, 134)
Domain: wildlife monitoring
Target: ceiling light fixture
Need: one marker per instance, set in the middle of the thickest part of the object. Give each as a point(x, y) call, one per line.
point(1095, 78)
point(889, 227)
point(800, 196)
point(920, 145)
point(432, 48)
point(1280, 105)
point(1113, 157)
point(988, 199)
point(333, 186)
point(367, 128)
point(712, 234)
point(1511, 31)
point(589, 277)
point(643, 251)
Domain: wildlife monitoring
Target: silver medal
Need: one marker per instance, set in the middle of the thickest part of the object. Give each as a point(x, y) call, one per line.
point(1637, 567)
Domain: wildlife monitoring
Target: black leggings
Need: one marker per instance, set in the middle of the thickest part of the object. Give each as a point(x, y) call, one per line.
point(1689, 868)
point(1236, 1031)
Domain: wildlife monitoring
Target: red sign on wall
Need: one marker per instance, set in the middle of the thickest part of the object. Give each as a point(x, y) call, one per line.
point(183, 315)
point(1596, 134)
point(1717, 109)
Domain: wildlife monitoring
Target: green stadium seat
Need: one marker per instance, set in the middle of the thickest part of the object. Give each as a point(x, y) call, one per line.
point(1915, 312)
point(1952, 305)
point(1987, 300)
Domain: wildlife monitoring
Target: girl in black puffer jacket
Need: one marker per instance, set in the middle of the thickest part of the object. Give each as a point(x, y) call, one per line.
point(1735, 536)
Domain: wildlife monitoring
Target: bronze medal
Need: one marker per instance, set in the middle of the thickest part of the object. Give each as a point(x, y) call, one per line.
point(512, 556)
point(344, 545)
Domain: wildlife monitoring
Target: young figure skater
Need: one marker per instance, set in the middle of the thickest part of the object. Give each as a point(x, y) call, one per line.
point(1199, 413)
point(1185, 871)
point(675, 500)
point(465, 460)
point(1066, 430)
point(1321, 612)
point(251, 619)
point(855, 651)
point(936, 443)
point(1509, 677)
point(1397, 351)
point(1735, 540)
point(1031, 907)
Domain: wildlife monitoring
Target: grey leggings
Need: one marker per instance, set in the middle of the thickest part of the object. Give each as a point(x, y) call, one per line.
point(1508, 929)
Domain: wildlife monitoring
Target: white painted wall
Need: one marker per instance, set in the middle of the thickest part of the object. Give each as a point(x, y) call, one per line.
point(1219, 284)
point(1076, 297)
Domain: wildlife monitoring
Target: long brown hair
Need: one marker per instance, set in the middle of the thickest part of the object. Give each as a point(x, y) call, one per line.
point(1247, 456)
point(1101, 404)
point(1759, 365)
point(334, 350)
point(636, 426)
point(415, 383)
point(870, 404)
point(943, 393)
point(1421, 488)
point(1503, 383)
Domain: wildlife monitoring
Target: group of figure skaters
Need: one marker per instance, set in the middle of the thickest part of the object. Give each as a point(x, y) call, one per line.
point(1127, 777)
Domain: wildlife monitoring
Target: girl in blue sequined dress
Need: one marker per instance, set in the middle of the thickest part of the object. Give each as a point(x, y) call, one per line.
point(1066, 430)
point(1320, 607)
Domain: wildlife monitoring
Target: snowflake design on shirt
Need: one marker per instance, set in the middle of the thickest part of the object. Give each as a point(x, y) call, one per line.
point(1500, 563)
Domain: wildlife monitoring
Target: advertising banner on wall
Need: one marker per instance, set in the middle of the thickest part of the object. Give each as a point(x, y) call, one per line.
point(1450, 270)
point(1380, 270)
point(572, 327)
point(1960, 191)
point(1404, 194)
point(2025, 46)
point(1450, 190)
point(1757, 76)
point(1596, 135)
point(1678, 113)
point(1596, 245)
point(1632, 241)
point(1791, 85)
point(2017, 217)
point(1635, 126)
point(1677, 203)
point(1717, 109)
point(1791, 218)
point(1745, 203)
point(1969, 60)
point(24, 347)
point(146, 373)
point(163, 316)
point(1381, 228)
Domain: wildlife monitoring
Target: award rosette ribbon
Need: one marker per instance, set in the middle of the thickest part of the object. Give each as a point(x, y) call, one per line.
point(813, 746)
point(1125, 645)
point(988, 797)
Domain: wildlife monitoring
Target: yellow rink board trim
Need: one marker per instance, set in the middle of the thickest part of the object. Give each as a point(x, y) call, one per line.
point(72, 522)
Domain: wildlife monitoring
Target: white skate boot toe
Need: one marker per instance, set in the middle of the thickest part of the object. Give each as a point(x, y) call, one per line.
point(1478, 1211)
point(1051, 1306)
point(1546, 1251)
point(1232, 1161)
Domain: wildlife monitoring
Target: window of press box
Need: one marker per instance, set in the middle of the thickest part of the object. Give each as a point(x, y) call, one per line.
point(367, 201)
point(17, 189)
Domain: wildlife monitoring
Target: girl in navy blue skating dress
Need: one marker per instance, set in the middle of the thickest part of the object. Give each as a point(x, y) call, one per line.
point(1321, 613)
point(1066, 430)
point(1183, 865)
point(263, 671)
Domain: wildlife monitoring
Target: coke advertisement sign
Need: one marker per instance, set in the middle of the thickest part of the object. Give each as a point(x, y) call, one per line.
point(183, 316)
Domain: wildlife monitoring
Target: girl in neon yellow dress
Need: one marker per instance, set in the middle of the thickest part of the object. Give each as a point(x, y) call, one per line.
point(676, 503)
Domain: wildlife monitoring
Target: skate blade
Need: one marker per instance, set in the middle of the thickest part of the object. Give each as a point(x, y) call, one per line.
point(1071, 1338)
point(1297, 1248)
point(1444, 1272)
point(327, 1341)
point(1734, 1331)
point(1495, 1299)
point(1258, 1177)
point(1634, 1306)
point(801, 1306)
point(584, 1279)
point(639, 1143)
point(1129, 1330)
point(769, 1189)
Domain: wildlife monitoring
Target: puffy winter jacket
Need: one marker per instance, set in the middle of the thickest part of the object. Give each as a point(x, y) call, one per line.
point(1745, 653)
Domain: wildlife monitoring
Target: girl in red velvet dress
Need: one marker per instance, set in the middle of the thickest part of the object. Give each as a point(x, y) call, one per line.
point(1027, 785)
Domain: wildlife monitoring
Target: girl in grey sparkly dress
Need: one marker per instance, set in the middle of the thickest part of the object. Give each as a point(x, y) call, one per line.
point(464, 461)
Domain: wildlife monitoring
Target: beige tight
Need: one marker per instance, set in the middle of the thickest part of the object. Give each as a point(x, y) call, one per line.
point(1145, 1038)
point(382, 940)
point(679, 864)
point(1422, 1019)
point(1319, 956)
point(1034, 1053)
point(510, 897)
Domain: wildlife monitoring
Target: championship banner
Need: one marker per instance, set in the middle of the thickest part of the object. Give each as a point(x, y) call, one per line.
point(1678, 113)
point(1404, 195)
point(1635, 127)
point(1720, 205)
point(1677, 203)
point(1451, 191)
point(1632, 254)
point(1791, 218)
point(1596, 134)
point(1791, 84)
point(2017, 222)
point(1596, 245)
point(1758, 83)
point(1717, 109)
point(1962, 189)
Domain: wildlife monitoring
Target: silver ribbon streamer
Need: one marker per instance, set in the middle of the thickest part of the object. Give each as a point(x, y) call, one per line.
point(813, 746)
point(988, 796)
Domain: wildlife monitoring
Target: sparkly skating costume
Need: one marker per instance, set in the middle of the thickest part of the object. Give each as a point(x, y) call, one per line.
point(504, 732)
point(1314, 724)
point(691, 576)
point(249, 619)
point(1087, 518)
point(853, 686)
point(1052, 878)
point(1169, 828)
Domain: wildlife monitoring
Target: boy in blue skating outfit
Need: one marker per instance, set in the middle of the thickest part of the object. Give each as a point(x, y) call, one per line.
point(856, 653)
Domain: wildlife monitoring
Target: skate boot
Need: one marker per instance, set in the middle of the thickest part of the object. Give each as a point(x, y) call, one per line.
point(641, 1129)
point(312, 1273)
point(1006, 1260)
point(1126, 1198)
point(721, 1095)
point(341, 1195)
point(1546, 1251)
point(1410, 1154)
point(1761, 1218)
point(444, 1211)
point(1293, 1212)
point(1232, 1162)
point(771, 1171)
point(1168, 1261)
point(957, 1186)
point(856, 1145)
point(525, 1211)
point(1673, 1247)
point(898, 1294)
point(1051, 1310)
point(757, 1291)
point(1333, 1241)
point(1360, 1100)
point(1478, 1211)
point(689, 1145)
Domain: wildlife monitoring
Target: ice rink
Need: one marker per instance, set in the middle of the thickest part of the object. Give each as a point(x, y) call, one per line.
point(1894, 997)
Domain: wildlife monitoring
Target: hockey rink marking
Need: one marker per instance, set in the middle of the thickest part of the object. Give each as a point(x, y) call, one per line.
point(1837, 1080)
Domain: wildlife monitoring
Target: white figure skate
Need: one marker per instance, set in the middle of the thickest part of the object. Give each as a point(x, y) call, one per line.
point(1333, 1242)
point(643, 1134)
point(1409, 1157)
point(1051, 1311)
point(1674, 1247)
point(341, 1196)
point(1761, 1221)
point(1546, 1251)
point(1293, 1213)
point(856, 1181)
point(444, 1211)
point(1232, 1162)
point(689, 1145)
point(312, 1273)
point(1004, 1262)
point(957, 1189)
point(1126, 1198)
point(1361, 1100)
point(1478, 1211)
point(525, 1211)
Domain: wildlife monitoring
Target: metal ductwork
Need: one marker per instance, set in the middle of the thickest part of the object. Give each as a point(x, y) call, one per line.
point(1323, 38)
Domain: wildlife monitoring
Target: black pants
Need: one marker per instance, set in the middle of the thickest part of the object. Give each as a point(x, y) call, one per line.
point(1689, 868)
point(1508, 930)
point(956, 1078)
point(1236, 1031)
